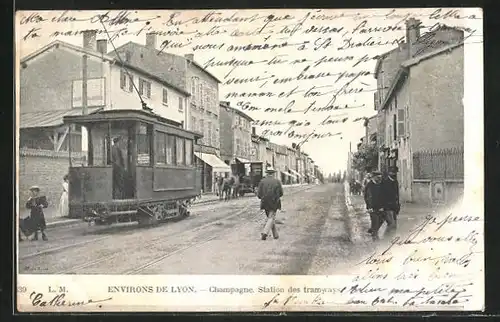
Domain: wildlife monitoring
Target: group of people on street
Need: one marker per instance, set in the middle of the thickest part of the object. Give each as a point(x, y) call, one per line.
point(381, 194)
point(228, 187)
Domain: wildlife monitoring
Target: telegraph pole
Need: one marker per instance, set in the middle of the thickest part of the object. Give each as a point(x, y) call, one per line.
point(84, 84)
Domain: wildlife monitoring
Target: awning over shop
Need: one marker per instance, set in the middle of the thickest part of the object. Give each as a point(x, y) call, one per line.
point(295, 173)
point(212, 160)
point(46, 119)
point(243, 160)
point(287, 174)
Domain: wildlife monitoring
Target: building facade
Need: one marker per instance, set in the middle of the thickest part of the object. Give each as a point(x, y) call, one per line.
point(203, 114)
point(236, 134)
point(259, 144)
point(421, 113)
point(203, 117)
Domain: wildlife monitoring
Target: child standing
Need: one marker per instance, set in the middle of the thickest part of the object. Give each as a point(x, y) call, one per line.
point(36, 203)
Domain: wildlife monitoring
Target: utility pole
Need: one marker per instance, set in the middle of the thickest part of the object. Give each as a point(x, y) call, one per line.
point(84, 84)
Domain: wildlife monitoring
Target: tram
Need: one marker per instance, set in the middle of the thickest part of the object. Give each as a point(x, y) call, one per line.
point(140, 168)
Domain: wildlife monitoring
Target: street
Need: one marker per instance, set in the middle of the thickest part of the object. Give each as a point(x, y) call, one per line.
point(218, 238)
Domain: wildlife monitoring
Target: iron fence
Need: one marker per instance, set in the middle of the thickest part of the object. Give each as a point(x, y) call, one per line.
point(439, 164)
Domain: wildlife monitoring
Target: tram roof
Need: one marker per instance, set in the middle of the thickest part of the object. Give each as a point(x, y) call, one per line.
point(125, 115)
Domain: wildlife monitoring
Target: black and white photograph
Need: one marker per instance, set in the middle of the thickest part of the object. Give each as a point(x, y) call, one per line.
point(249, 160)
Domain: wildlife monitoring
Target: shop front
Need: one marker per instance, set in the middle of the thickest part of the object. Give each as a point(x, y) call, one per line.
point(211, 168)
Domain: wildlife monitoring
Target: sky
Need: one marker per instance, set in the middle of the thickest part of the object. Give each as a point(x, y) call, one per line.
point(292, 66)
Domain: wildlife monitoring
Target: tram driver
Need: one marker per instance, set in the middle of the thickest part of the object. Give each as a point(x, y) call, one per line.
point(119, 169)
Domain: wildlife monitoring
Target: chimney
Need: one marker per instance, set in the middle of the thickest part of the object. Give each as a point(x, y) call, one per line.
point(90, 40)
point(151, 40)
point(102, 46)
point(412, 33)
point(189, 56)
point(253, 130)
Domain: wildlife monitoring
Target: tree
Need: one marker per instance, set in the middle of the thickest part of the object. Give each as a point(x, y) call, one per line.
point(366, 159)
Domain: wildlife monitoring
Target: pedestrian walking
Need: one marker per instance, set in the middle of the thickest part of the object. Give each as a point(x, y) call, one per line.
point(391, 194)
point(375, 203)
point(270, 192)
point(36, 203)
point(63, 202)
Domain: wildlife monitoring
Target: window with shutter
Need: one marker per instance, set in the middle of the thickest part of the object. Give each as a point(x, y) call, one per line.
point(131, 83)
point(123, 79)
point(193, 87)
point(181, 105)
point(144, 88)
point(401, 122)
point(165, 96)
point(394, 129)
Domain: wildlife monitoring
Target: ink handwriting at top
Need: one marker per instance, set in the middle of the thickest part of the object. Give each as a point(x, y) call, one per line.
point(123, 17)
point(37, 299)
point(221, 18)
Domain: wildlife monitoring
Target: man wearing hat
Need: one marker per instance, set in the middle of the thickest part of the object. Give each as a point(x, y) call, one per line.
point(270, 191)
point(36, 203)
point(375, 203)
point(118, 162)
point(391, 194)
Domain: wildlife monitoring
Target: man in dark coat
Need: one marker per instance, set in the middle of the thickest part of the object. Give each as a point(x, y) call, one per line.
point(119, 172)
point(375, 203)
point(36, 220)
point(270, 191)
point(391, 194)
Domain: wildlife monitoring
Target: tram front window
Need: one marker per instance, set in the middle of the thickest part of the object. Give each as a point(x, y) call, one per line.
point(98, 137)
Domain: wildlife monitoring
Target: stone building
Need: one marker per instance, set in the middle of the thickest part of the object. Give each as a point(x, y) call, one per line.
point(235, 135)
point(420, 112)
point(259, 144)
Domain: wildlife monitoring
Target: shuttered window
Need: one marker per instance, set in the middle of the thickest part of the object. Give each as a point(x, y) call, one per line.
point(165, 96)
point(401, 122)
point(123, 79)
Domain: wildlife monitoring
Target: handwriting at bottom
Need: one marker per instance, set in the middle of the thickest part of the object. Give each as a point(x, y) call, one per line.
point(37, 299)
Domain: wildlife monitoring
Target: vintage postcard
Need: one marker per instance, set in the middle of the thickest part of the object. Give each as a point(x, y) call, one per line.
point(249, 160)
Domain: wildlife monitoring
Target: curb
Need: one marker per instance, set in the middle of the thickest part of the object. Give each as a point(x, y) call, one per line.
point(350, 214)
point(61, 223)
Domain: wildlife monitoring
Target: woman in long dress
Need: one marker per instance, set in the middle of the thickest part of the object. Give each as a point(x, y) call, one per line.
point(63, 203)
